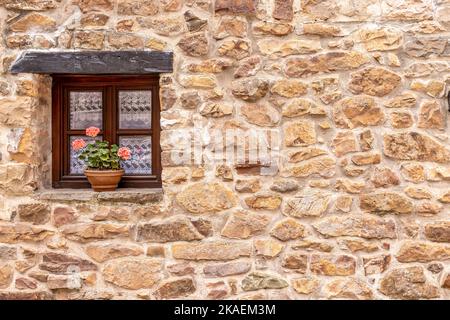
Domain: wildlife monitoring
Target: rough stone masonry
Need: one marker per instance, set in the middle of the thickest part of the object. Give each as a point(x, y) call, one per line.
point(357, 205)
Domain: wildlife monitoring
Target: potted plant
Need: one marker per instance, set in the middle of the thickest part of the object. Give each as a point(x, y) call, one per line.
point(102, 161)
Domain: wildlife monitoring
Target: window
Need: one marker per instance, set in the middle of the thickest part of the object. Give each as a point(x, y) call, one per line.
point(125, 108)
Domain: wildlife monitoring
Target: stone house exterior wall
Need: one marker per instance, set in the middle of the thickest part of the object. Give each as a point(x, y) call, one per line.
point(351, 201)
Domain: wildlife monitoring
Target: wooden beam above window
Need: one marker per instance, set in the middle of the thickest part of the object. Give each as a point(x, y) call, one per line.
point(94, 62)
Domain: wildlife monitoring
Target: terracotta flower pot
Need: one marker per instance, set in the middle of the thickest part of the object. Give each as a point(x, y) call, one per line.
point(104, 180)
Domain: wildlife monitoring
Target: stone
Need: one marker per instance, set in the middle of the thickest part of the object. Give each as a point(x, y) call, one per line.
point(381, 39)
point(194, 45)
point(25, 283)
point(413, 172)
point(125, 41)
point(272, 28)
point(433, 88)
point(198, 81)
point(87, 232)
point(295, 261)
point(8, 253)
point(133, 273)
point(438, 231)
point(61, 263)
point(31, 5)
point(105, 252)
point(305, 285)
point(140, 7)
point(323, 166)
point(88, 40)
point(55, 282)
point(276, 48)
point(94, 19)
point(268, 248)
point(408, 283)
point(358, 111)
point(425, 47)
point(402, 119)
point(36, 213)
point(435, 267)
point(299, 133)
point(366, 140)
point(261, 280)
point(431, 116)
point(193, 22)
point(212, 250)
point(190, 100)
point(262, 115)
point(349, 288)
point(349, 186)
point(181, 269)
point(423, 252)
point(206, 198)
point(230, 26)
point(235, 48)
point(385, 202)
point(311, 245)
point(299, 107)
point(17, 178)
point(11, 108)
point(243, 225)
point(22, 232)
point(289, 88)
point(324, 63)
point(288, 229)
point(248, 67)
point(344, 142)
point(177, 228)
point(376, 264)
point(343, 203)
point(6, 275)
point(307, 204)
point(283, 10)
point(322, 30)
point(226, 269)
point(264, 201)
point(35, 22)
point(209, 66)
point(414, 146)
point(248, 186)
point(305, 154)
point(356, 226)
point(245, 7)
point(216, 110)
point(36, 295)
point(19, 41)
point(374, 81)
point(332, 265)
point(359, 245)
point(172, 27)
point(172, 289)
point(365, 159)
point(284, 185)
point(417, 193)
point(251, 89)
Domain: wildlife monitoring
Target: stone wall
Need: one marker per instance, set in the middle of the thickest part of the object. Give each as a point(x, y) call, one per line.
point(351, 199)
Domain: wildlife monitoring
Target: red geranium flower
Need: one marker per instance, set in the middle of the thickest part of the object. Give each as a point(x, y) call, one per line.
point(78, 144)
point(124, 153)
point(92, 131)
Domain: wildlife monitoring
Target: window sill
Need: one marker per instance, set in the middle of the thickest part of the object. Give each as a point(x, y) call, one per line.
point(137, 196)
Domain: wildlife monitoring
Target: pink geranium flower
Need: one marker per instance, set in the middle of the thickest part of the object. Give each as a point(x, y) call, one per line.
point(124, 153)
point(78, 144)
point(92, 131)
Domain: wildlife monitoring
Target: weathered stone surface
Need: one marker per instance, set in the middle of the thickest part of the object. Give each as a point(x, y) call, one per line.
point(6, 275)
point(36, 213)
point(425, 47)
point(140, 7)
point(63, 215)
point(381, 39)
point(289, 88)
point(402, 119)
point(359, 111)
point(235, 48)
point(251, 89)
point(283, 10)
point(414, 146)
point(216, 110)
point(305, 285)
point(264, 201)
point(35, 22)
point(408, 283)
point(230, 26)
point(246, 7)
point(332, 265)
point(283, 48)
point(21, 232)
point(284, 185)
point(87, 232)
point(356, 226)
point(177, 228)
point(299, 107)
point(260, 114)
point(17, 178)
point(417, 193)
point(438, 231)
point(203, 81)
point(226, 269)
point(307, 204)
point(105, 252)
point(299, 133)
point(243, 225)
point(260, 280)
point(268, 248)
point(324, 166)
point(248, 186)
point(8, 253)
point(206, 198)
point(213, 250)
point(21, 295)
point(295, 261)
point(349, 288)
point(61, 263)
point(172, 289)
point(328, 62)
point(382, 203)
point(413, 172)
point(406, 100)
point(431, 116)
point(288, 229)
point(344, 142)
point(194, 45)
point(248, 67)
point(423, 252)
point(272, 28)
point(374, 81)
point(305, 154)
point(133, 273)
point(376, 264)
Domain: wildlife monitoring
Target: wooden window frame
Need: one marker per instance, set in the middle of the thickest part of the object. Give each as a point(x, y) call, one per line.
point(110, 86)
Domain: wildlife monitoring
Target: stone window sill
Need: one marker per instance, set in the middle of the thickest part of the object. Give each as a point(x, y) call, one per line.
point(137, 196)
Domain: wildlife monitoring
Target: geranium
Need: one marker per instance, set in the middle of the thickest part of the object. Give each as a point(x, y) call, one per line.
point(78, 144)
point(124, 153)
point(92, 131)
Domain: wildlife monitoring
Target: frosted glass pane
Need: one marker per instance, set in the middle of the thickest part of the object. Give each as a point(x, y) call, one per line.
point(85, 109)
point(76, 165)
point(141, 154)
point(135, 109)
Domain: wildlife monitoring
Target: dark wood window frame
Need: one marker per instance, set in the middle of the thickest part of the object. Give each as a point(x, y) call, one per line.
point(110, 86)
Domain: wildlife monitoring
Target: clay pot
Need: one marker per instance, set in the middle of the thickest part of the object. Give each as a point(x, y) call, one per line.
point(104, 180)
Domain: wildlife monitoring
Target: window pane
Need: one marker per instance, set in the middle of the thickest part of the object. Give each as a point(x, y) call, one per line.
point(141, 154)
point(85, 109)
point(76, 165)
point(135, 109)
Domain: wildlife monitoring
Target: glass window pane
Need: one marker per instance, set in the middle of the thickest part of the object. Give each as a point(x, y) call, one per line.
point(135, 109)
point(76, 165)
point(85, 109)
point(141, 154)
